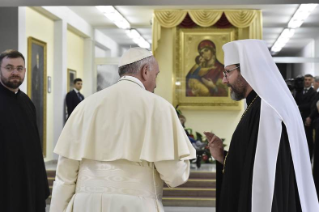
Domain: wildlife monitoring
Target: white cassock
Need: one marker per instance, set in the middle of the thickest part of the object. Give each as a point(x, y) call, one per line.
point(117, 149)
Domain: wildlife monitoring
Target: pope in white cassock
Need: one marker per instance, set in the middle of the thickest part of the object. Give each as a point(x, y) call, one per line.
point(120, 145)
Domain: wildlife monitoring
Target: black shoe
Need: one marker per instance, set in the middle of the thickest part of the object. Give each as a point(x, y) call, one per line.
point(198, 161)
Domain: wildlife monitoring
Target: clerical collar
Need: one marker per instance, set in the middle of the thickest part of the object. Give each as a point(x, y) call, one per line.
point(132, 79)
point(7, 91)
point(251, 96)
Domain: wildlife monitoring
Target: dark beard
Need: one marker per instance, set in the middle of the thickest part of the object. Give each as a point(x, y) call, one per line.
point(239, 89)
point(236, 95)
point(14, 84)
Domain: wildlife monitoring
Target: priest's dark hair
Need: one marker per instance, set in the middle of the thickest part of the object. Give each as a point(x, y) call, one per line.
point(134, 68)
point(77, 80)
point(308, 75)
point(10, 53)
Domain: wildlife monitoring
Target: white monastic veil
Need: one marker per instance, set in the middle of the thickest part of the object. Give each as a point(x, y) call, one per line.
point(277, 105)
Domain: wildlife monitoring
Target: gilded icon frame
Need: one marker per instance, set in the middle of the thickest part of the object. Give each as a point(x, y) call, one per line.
point(37, 85)
point(187, 49)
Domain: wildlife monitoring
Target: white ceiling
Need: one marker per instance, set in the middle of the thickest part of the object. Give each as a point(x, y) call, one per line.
point(275, 19)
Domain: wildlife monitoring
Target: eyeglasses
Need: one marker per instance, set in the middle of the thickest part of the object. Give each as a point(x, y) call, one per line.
point(11, 68)
point(226, 72)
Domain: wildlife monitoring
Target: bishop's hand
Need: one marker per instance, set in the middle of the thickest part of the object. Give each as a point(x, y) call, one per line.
point(216, 147)
point(308, 122)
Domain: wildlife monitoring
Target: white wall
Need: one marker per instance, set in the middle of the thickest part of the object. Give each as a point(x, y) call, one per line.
point(75, 48)
point(102, 40)
point(305, 68)
point(99, 52)
point(73, 20)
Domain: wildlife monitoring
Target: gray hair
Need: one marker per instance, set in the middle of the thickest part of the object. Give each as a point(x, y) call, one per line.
point(316, 78)
point(134, 68)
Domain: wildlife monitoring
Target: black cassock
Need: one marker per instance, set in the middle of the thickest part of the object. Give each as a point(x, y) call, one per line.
point(234, 186)
point(23, 179)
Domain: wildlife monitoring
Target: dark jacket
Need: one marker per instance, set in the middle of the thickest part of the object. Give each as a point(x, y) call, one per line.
point(304, 102)
point(313, 108)
point(72, 100)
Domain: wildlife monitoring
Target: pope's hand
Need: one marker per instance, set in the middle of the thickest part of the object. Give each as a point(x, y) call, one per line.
point(216, 147)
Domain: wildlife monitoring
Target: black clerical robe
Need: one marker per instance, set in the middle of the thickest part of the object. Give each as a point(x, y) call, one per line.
point(23, 179)
point(236, 188)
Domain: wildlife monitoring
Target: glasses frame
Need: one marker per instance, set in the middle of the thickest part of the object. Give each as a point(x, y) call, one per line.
point(10, 69)
point(226, 72)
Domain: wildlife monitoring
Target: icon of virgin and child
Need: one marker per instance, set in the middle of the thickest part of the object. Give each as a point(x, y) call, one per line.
point(205, 77)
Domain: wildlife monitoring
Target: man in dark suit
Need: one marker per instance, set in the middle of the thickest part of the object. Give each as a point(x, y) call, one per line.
point(314, 115)
point(304, 98)
point(74, 97)
point(314, 120)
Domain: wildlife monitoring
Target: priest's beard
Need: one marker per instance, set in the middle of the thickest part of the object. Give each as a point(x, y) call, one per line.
point(238, 89)
point(12, 82)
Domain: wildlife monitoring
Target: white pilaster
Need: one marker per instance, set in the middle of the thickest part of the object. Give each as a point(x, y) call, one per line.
point(89, 73)
point(59, 78)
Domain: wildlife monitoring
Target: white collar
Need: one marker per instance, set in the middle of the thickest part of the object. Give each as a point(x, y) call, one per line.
point(76, 91)
point(132, 79)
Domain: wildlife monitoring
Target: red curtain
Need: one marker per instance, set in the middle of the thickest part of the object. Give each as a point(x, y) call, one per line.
point(187, 22)
point(221, 23)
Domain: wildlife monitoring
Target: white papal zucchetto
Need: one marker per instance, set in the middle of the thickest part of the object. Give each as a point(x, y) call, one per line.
point(133, 55)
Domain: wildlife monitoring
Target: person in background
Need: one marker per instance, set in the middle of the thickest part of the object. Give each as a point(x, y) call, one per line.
point(74, 97)
point(304, 99)
point(313, 120)
point(197, 144)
